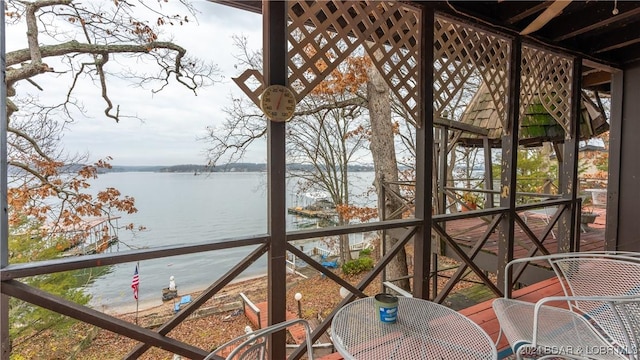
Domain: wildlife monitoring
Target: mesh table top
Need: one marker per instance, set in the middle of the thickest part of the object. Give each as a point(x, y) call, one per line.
point(424, 330)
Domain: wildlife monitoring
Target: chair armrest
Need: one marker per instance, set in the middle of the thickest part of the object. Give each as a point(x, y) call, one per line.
point(507, 268)
point(625, 255)
point(608, 300)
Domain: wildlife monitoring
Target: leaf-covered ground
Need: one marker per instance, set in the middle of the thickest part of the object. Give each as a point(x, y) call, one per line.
point(320, 295)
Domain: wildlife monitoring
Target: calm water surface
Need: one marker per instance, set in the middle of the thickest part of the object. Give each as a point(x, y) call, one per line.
point(180, 208)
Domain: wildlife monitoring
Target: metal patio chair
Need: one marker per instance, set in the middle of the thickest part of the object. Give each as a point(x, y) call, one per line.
point(545, 214)
point(602, 315)
point(253, 345)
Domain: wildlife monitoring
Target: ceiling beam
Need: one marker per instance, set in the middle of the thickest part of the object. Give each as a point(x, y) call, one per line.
point(596, 78)
point(549, 14)
point(458, 125)
point(252, 6)
point(627, 55)
point(623, 37)
point(528, 12)
point(593, 25)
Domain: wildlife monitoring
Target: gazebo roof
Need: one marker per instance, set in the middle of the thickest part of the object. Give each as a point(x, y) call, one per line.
point(536, 126)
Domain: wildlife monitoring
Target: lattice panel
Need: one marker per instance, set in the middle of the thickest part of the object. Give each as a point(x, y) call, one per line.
point(324, 33)
point(394, 48)
point(547, 79)
point(319, 41)
point(246, 79)
point(451, 65)
point(460, 50)
point(490, 55)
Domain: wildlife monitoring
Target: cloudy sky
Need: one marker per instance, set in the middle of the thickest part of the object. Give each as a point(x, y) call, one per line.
point(172, 119)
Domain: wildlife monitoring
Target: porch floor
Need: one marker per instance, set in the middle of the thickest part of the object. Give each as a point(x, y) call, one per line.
point(466, 233)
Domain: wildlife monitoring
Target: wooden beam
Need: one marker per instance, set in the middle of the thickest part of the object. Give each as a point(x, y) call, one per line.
point(16, 271)
point(528, 12)
point(382, 263)
point(589, 23)
point(457, 125)
point(323, 270)
point(424, 159)
point(65, 307)
point(627, 55)
point(569, 190)
point(549, 14)
point(442, 167)
point(623, 37)
point(615, 159)
point(246, 5)
point(510, 163)
point(488, 172)
point(275, 41)
point(453, 280)
point(202, 298)
point(596, 78)
point(462, 255)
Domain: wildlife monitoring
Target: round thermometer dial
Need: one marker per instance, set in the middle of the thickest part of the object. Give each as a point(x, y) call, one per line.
point(278, 103)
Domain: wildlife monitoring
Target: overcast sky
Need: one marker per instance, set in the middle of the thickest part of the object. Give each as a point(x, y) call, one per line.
point(173, 118)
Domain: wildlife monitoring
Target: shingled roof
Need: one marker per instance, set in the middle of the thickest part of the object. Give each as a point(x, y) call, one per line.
point(536, 127)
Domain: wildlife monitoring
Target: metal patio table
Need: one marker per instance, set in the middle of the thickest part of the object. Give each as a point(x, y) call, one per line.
point(424, 330)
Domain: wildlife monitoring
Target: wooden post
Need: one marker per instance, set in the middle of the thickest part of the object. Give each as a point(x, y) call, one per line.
point(443, 144)
point(275, 39)
point(615, 156)
point(569, 219)
point(424, 158)
point(510, 163)
point(488, 173)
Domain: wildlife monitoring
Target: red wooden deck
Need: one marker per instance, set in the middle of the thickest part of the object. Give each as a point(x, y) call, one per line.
point(466, 232)
point(483, 314)
point(297, 331)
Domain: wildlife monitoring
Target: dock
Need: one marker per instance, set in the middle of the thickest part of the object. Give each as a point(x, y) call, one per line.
point(90, 236)
point(327, 214)
point(97, 247)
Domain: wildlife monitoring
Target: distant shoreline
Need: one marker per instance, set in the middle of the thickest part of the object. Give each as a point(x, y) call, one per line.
point(205, 169)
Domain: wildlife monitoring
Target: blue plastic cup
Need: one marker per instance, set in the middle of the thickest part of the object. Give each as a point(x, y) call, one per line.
point(386, 307)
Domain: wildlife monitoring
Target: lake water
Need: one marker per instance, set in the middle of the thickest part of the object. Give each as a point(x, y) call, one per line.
point(180, 208)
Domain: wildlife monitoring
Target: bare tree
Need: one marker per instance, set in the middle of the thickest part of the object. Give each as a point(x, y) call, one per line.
point(327, 131)
point(385, 164)
point(81, 42)
point(327, 141)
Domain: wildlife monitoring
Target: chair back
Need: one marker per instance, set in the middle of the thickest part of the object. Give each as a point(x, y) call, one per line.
point(253, 346)
point(609, 276)
point(629, 314)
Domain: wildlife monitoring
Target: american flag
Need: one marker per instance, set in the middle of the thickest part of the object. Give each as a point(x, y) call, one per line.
point(135, 282)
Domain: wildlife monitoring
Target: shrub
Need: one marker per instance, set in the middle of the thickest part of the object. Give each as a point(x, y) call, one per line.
point(356, 266)
point(365, 252)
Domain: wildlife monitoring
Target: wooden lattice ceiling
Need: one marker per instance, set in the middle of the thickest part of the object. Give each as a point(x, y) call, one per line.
point(322, 34)
point(589, 28)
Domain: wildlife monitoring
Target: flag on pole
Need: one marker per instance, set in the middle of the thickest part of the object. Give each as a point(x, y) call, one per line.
point(135, 282)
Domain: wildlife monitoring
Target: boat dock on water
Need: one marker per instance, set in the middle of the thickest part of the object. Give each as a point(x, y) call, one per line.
point(311, 213)
point(318, 205)
point(90, 236)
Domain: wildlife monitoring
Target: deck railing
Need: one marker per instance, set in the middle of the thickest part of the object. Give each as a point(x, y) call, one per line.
point(260, 244)
point(11, 285)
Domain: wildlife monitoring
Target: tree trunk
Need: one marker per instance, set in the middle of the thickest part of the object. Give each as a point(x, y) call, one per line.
point(385, 165)
point(345, 249)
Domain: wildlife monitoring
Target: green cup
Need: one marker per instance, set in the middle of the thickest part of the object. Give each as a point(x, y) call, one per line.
point(386, 308)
